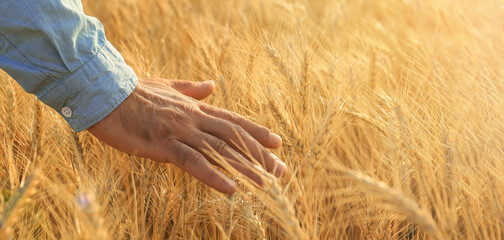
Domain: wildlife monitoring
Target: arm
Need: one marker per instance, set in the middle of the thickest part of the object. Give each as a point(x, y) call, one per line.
point(53, 50)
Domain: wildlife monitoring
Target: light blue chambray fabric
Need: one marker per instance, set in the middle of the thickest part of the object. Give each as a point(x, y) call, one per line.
point(53, 50)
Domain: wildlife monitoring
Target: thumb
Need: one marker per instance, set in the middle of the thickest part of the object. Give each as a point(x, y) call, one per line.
point(196, 90)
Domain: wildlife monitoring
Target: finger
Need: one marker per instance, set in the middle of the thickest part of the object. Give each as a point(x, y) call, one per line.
point(262, 134)
point(193, 162)
point(234, 134)
point(196, 90)
point(235, 159)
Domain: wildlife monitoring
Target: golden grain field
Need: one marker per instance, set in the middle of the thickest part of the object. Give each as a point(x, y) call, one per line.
point(391, 113)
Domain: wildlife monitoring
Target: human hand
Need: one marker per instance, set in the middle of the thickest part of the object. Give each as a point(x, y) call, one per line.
point(164, 121)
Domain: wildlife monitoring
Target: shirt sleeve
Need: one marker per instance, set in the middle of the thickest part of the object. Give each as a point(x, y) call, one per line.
point(55, 51)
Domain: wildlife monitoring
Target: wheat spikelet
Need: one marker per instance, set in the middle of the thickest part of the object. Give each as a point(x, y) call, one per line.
point(365, 119)
point(11, 211)
point(278, 114)
point(224, 53)
point(214, 72)
point(229, 222)
point(306, 87)
point(12, 169)
point(372, 70)
point(251, 62)
point(399, 202)
point(279, 61)
point(86, 201)
point(271, 194)
point(35, 135)
point(37, 129)
point(322, 138)
point(254, 221)
point(78, 157)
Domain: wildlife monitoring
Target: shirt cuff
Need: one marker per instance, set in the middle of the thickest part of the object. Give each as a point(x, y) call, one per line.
point(92, 91)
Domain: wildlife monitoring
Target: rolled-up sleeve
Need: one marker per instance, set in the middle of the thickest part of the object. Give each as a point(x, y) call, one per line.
point(55, 51)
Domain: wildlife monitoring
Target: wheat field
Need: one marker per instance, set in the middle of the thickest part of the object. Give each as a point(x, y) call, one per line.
point(391, 114)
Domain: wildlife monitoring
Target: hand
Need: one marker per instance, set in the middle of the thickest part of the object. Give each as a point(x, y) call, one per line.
point(164, 121)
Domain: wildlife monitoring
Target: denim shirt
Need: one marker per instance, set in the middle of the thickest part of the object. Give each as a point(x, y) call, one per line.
point(55, 51)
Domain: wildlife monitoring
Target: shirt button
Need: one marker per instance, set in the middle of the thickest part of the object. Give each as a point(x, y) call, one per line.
point(66, 111)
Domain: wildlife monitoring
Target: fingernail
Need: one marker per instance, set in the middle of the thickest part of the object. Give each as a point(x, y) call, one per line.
point(275, 139)
point(231, 186)
point(281, 167)
point(210, 81)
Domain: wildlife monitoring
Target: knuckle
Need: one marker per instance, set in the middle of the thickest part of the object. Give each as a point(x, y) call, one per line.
point(159, 126)
point(166, 140)
point(235, 118)
point(231, 116)
point(210, 174)
point(241, 133)
point(265, 152)
point(238, 129)
point(189, 107)
point(220, 146)
point(188, 158)
point(199, 113)
point(162, 135)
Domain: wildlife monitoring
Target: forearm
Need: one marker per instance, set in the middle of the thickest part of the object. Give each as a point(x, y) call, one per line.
point(53, 50)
